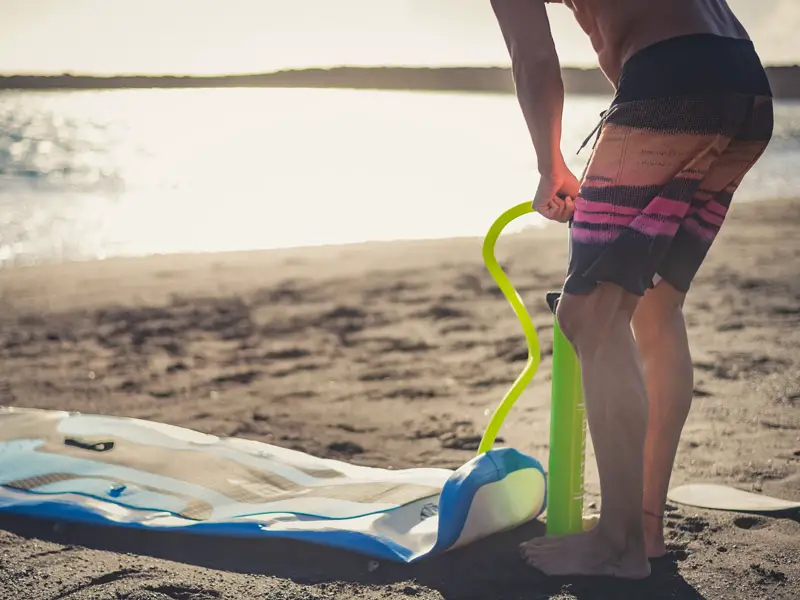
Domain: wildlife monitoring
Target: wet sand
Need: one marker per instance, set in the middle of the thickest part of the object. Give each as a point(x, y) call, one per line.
point(393, 354)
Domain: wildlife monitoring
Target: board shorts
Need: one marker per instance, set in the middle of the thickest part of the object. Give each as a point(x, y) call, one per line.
point(690, 118)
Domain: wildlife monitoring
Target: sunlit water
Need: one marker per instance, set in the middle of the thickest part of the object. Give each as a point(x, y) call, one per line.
point(96, 174)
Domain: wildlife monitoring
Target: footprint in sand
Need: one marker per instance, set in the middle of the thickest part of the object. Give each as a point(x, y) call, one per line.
point(388, 375)
point(387, 345)
point(296, 369)
point(785, 310)
point(287, 354)
point(411, 394)
point(768, 576)
point(740, 365)
point(459, 328)
point(793, 398)
point(439, 312)
point(177, 367)
point(464, 441)
point(751, 522)
point(243, 378)
point(181, 592)
point(346, 448)
point(355, 429)
point(285, 293)
point(512, 350)
point(693, 524)
point(492, 382)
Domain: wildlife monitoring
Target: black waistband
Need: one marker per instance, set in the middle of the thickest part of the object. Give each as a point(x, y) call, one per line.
point(690, 65)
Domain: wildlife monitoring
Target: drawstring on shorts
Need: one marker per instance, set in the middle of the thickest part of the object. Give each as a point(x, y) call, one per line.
point(596, 134)
point(597, 130)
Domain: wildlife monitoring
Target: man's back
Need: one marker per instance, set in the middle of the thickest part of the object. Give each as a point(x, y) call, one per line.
point(619, 28)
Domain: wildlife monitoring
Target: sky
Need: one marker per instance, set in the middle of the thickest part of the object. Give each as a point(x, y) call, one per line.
point(244, 36)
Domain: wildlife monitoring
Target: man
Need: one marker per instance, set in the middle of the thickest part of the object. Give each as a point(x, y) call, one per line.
point(691, 115)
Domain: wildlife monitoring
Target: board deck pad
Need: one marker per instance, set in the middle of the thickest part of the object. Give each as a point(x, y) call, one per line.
point(124, 472)
point(723, 497)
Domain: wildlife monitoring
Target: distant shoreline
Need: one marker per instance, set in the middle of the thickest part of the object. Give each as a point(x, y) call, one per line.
point(785, 81)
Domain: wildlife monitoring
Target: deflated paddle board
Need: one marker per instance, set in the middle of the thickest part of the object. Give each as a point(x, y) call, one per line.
point(124, 472)
point(722, 497)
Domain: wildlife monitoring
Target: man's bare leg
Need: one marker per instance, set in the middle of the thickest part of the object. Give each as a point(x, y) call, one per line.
point(660, 332)
point(599, 327)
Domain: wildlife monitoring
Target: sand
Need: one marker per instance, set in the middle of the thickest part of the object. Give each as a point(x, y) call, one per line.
point(393, 354)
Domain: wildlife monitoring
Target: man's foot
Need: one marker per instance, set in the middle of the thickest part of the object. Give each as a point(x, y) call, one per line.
point(654, 535)
point(587, 553)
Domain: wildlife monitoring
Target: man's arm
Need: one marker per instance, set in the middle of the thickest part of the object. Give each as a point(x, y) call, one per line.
point(537, 74)
point(540, 91)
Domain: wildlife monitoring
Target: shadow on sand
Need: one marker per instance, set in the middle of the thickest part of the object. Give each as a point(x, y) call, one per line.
point(487, 569)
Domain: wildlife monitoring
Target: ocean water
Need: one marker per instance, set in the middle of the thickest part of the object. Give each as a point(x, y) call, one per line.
point(87, 175)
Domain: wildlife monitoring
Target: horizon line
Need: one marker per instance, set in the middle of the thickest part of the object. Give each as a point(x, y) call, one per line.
point(68, 73)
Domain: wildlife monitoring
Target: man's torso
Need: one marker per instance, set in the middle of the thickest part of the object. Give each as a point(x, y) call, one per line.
point(619, 28)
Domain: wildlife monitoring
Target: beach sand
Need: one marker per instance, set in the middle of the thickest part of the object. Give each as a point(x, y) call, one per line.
point(393, 354)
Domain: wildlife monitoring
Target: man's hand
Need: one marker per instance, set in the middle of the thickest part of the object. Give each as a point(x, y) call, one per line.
point(555, 196)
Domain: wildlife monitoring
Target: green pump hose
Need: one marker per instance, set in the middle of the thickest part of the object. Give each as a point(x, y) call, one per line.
point(513, 297)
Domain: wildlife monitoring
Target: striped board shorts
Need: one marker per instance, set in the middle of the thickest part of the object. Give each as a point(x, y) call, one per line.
point(691, 117)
